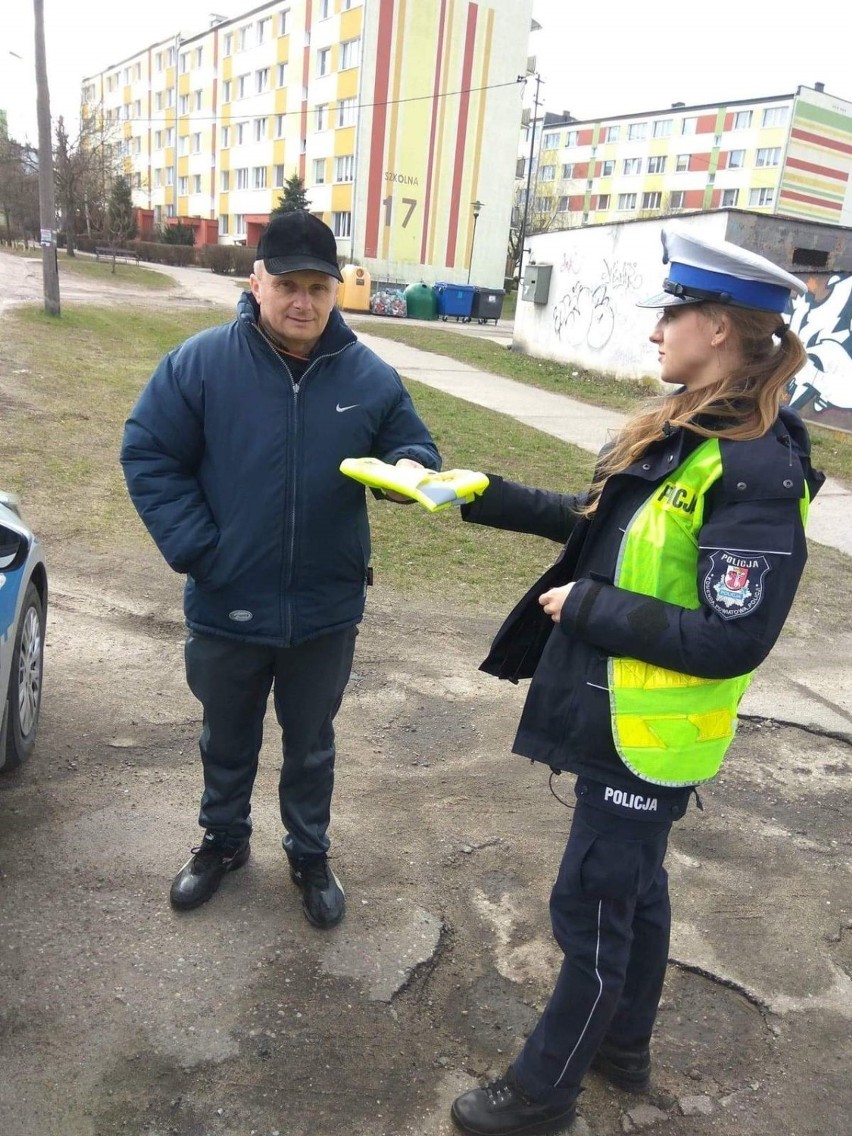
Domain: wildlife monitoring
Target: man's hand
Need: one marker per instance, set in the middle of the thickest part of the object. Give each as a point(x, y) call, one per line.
point(400, 498)
point(553, 600)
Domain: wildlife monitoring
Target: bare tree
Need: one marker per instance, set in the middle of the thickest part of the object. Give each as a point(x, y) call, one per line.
point(85, 170)
point(19, 203)
point(543, 216)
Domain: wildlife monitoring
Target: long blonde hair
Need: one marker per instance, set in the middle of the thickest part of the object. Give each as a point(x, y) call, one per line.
point(743, 405)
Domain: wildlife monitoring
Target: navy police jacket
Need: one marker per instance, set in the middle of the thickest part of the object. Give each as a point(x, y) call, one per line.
point(234, 469)
point(754, 507)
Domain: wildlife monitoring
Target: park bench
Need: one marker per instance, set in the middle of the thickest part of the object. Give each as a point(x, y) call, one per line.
point(118, 254)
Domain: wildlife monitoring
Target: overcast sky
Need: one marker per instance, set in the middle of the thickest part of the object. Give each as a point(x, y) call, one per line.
point(610, 57)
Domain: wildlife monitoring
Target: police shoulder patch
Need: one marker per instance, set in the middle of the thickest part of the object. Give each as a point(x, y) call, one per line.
point(733, 586)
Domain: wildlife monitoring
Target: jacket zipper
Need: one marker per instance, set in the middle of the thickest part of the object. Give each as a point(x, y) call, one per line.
point(287, 614)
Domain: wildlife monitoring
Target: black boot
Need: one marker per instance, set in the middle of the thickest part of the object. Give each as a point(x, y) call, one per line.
point(628, 1068)
point(502, 1108)
point(323, 901)
point(201, 875)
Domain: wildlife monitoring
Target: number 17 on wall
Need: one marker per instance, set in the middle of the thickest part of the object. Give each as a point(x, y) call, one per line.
point(411, 202)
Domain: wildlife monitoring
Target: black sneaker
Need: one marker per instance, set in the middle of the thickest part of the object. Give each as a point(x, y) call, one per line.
point(323, 901)
point(628, 1068)
point(201, 875)
point(502, 1108)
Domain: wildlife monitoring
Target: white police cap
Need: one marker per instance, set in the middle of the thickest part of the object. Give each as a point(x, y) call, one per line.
point(701, 270)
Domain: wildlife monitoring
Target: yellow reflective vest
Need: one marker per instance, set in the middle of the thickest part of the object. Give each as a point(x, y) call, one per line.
point(671, 728)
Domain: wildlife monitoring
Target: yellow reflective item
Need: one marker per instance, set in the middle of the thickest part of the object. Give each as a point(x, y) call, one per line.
point(433, 490)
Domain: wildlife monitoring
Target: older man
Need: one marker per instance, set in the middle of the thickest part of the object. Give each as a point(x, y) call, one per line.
point(231, 457)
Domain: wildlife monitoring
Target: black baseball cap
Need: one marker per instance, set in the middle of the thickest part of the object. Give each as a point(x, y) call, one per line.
point(295, 241)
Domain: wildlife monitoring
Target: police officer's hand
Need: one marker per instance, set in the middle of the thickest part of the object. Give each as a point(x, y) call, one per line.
point(400, 498)
point(553, 600)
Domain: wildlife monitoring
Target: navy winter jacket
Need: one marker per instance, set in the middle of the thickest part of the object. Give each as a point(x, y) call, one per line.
point(234, 469)
point(754, 508)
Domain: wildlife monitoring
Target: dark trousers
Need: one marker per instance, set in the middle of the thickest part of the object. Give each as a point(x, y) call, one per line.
point(611, 917)
point(232, 681)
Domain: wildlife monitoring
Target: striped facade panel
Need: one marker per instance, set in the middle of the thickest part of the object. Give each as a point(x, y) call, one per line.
point(816, 181)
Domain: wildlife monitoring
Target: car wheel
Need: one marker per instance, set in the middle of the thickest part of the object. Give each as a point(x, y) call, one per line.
point(25, 680)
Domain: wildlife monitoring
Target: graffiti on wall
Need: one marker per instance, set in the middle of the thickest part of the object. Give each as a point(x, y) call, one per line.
point(822, 390)
point(585, 313)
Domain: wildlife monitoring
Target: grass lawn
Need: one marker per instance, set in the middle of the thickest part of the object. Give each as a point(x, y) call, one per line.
point(67, 386)
point(125, 275)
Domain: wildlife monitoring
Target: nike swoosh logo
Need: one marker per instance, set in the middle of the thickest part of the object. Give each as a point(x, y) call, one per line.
point(340, 409)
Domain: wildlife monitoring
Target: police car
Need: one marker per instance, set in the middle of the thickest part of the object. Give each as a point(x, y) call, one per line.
point(23, 608)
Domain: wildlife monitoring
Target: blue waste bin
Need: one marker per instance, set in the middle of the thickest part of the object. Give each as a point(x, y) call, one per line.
point(455, 300)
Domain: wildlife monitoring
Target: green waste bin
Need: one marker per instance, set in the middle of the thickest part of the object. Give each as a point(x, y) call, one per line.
point(421, 301)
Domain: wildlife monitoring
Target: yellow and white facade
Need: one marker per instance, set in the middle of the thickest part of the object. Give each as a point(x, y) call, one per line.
point(393, 112)
point(788, 155)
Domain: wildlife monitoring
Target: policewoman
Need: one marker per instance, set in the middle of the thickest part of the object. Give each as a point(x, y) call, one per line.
point(677, 573)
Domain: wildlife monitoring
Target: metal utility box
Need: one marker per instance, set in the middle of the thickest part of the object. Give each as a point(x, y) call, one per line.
point(537, 283)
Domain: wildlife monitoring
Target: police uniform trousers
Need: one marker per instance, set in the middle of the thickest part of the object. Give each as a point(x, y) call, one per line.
point(611, 916)
point(232, 681)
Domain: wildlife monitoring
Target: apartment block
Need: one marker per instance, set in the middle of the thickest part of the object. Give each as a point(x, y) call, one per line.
point(383, 107)
point(788, 155)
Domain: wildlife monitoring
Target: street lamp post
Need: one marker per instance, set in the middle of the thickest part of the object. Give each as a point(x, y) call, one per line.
point(46, 198)
point(477, 206)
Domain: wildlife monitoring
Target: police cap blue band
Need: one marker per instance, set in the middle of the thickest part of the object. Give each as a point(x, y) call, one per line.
point(729, 289)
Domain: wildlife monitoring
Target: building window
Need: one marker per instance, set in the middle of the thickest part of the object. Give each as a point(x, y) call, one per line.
point(520, 167)
point(158, 100)
point(768, 156)
point(196, 183)
point(657, 165)
point(547, 173)
point(278, 175)
point(736, 159)
point(562, 206)
point(603, 201)
point(226, 91)
point(223, 225)
point(158, 140)
point(242, 133)
point(319, 171)
point(341, 224)
point(775, 116)
point(242, 177)
point(760, 197)
point(158, 62)
point(225, 180)
point(324, 9)
point(612, 134)
point(346, 112)
point(184, 62)
point(321, 116)
point(258, 177)
point(627, 201)
point(279, 125)
point(229, 43)
point(676, 199)
point(239, 224)
point(283, 20)
point(651, 200)
point(158, 178)
point(199, 98)
point(742, 120)
point(663, 128)
point(689, 126)
point(170, 210)
point(244, 38)
point(636, 131)
point(568, 169)
point(137, 109)
point(170, 175)
point(263, 29)
point(261, 80)
point(550, 140)
point(137, 181)
point(282, 75)
point(260, 129)
point(350, 55)
point(682, 163)
point(170, 136)
point(199, 56)
point(632, 166)
point(572, 138)
point(344, 168)
point(729, 198)
point(137, 72)
point(196, 143)
point(183, 144)
point(323, 60)
point(170, 56)
point(242, 86)
point(608, 167)
point(226, 137)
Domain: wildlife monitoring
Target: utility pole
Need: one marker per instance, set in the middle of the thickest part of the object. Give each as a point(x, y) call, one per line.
point(523, 234)
point(46, 200)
